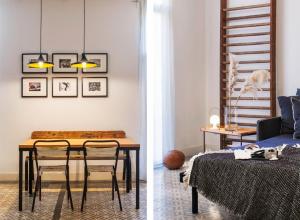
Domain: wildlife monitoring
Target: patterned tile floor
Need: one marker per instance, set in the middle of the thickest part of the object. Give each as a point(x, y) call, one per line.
point(54, 204)
point(172, 202)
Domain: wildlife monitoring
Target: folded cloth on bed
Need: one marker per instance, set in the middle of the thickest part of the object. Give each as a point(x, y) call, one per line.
point(253, 189)
point(242, 154)
point(246, 153)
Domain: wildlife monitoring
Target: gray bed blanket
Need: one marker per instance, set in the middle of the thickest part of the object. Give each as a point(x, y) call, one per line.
point(252, 189)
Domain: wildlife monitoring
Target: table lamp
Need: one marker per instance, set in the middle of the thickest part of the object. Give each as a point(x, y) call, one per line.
point(214, 121)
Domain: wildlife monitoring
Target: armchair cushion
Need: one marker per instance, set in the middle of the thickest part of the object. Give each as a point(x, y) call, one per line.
point(268, 128)
point(296, 115)
point(278, 140)
point(287, 124)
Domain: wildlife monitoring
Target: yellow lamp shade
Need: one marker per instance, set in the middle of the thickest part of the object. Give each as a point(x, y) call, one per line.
point(84, 63)
point(40, 63)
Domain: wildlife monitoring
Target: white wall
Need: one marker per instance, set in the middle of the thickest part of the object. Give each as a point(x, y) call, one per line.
point(189, 66)
point(112, 27)
point(288, 47)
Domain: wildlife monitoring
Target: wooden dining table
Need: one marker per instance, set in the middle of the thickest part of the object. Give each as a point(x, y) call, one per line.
point(126, 144)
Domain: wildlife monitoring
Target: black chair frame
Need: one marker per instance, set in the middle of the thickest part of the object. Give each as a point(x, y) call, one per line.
point(38, 183)
point(115, 186)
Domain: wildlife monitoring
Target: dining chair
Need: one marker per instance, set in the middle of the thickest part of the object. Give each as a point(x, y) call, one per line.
point(105, 150)
point(42, 149)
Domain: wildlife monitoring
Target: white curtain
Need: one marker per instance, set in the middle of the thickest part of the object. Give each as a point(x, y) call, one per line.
point(143, 89)
point(160, 78)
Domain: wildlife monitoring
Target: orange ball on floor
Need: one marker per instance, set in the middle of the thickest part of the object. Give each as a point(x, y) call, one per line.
point(174, 160)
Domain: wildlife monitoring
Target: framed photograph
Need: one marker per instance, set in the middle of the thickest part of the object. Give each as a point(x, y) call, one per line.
point(30, 57)
point(64, 87)
point(62, 62)
point(35, 87)
point(101, 59)
point(94, 87)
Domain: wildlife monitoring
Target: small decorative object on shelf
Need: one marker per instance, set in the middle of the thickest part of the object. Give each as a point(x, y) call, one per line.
point(231, 118)
point(253, 84)
point(232, 81)
point(174, 160)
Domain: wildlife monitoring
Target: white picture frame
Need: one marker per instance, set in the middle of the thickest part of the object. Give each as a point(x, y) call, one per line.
point(62, 62)
point(34, 87)
point(29, 57)
point(102, 61)
point(94, 87)
point(64, 87)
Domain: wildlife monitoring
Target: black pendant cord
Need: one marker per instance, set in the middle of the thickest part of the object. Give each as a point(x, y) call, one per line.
point(84, 27)
point(41, 25)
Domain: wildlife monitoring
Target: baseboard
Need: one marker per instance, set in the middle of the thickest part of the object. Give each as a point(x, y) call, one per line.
point(192, 150)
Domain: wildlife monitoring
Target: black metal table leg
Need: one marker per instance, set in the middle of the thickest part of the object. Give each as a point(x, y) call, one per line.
point(124, 167)
point(26, 175)
point(194, 200)
point(20, 179)
point(30, 173)
point(241, 140)
point(128, 172)
point(137, 155)
point(204, 142)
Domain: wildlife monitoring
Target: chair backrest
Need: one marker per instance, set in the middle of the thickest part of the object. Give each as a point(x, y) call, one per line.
point(42, 148)
point(77, 134)
point(105, 149)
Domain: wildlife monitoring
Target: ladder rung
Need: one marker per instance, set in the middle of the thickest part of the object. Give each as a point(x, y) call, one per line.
point(239, 89)
point(247, 25)
point(248, 98)
point(246, 44)
point(247, 124)
point(250, 116)
point(246, 35)
point(247, 7)
point(243, 71)
point(249, 52)
point(250, 62)
point(253, 107)
point(248, 17)
point(238, 80)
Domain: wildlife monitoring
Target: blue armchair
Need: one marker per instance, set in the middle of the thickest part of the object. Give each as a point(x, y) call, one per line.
point(268, 133)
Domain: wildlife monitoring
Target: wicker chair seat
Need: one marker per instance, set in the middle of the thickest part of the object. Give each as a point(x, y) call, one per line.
point(100, 168)
point(52, 169)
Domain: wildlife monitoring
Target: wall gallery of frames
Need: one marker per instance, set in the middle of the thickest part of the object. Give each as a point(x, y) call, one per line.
point(92, 85)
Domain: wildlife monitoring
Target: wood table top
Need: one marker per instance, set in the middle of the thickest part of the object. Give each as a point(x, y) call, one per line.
point(77, 143)
point(238, 132)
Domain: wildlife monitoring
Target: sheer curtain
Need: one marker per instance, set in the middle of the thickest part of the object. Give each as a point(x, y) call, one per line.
point(160, 78)
point(143, 88)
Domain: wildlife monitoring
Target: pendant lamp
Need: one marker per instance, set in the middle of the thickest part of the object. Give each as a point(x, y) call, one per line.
point(84, 63)
point(40, 63)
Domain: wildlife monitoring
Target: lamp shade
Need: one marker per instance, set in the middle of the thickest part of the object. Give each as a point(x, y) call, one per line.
point(84, 63)
point(214, 121)
point(40, 63)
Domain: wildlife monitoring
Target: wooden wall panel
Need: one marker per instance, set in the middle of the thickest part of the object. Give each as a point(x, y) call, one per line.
point(249, 32)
